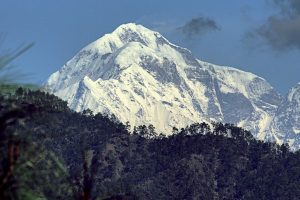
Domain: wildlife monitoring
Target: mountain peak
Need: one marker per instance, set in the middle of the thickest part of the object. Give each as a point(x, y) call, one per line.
point(139, 76)
point(124, 34)
point(133, 27)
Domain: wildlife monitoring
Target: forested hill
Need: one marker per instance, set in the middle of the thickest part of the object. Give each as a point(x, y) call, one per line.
point(51, 152)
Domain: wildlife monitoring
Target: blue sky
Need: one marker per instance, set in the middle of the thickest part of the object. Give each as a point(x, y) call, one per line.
point(60, 29)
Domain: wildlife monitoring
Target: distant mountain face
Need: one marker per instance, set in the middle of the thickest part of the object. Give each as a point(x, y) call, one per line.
point(140, 77)
point(286, 123)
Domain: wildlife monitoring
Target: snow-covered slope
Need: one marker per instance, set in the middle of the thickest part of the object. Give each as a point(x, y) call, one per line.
point(286, 123)
point(139, 76)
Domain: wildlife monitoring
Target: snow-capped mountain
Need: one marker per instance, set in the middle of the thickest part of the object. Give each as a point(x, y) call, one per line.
point(286, 123)
point(139, 76)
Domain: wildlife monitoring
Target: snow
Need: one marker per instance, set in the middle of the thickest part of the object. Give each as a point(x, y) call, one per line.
point(294, 93)
point(264, 122)
point(139, 76)
point(286, 123)
point(296, 131)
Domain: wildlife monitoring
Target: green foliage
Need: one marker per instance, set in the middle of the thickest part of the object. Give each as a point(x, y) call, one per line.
point(28, 170)
point(65, 154)
point(10, 89)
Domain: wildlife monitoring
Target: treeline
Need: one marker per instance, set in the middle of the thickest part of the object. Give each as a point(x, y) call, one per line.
point(51, 152)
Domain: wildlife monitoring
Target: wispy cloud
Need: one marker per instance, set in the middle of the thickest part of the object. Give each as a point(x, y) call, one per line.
point(198, 26)
point(281, 31)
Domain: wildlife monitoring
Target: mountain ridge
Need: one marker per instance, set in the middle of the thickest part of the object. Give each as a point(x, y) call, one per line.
point(139, 76)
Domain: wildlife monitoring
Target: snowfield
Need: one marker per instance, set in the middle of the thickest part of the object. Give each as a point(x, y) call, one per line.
point(140, 77)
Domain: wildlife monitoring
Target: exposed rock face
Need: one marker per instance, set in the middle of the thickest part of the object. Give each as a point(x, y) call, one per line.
point(286, 123)
point(139, 76)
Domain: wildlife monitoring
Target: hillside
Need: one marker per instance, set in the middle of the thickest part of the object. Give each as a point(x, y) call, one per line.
point(95, 154)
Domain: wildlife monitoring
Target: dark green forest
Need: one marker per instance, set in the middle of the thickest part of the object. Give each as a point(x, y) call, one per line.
point(48, 151)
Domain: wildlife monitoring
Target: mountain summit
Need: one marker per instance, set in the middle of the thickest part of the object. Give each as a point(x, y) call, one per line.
point(140, 77)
